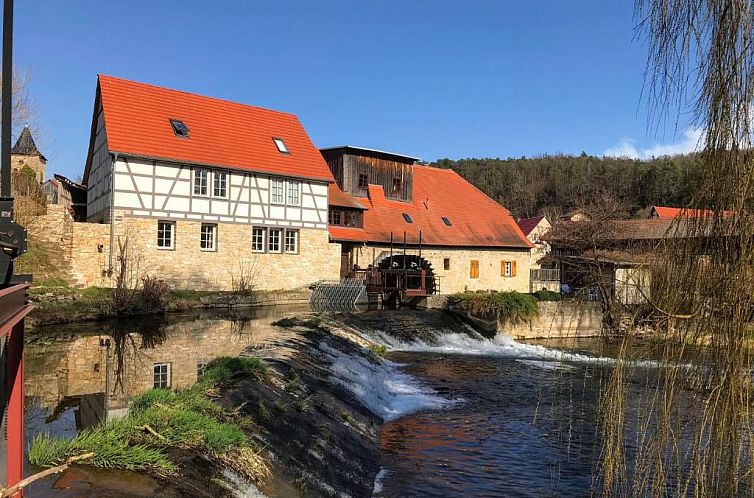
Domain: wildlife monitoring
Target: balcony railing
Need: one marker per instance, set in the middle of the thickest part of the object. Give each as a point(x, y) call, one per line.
point(545, 275)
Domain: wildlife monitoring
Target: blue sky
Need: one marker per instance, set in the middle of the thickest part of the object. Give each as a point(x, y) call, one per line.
point(428, 78)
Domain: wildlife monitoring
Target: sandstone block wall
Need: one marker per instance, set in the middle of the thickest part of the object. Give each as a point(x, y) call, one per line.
point(458, 277)
point(85, 248)
point(20, 161)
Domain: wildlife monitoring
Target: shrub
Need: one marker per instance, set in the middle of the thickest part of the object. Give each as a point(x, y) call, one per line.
point(510, 306)
point(546, 295)
point(154, 293)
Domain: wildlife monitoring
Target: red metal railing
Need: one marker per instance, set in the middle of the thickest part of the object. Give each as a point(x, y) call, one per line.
point(14, 307)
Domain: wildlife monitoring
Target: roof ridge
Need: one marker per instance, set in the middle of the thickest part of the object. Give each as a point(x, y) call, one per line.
point(194, 94)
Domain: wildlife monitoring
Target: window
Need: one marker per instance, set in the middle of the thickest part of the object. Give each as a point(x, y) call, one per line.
point(363, 181)
point(446, 264)
point(220, 185)
point(335, 217)
point(165, 234)
point(208, 237)
point(397, 185)
point(161, 375)
point(179, 128)
point(258, 235)
point(474, 269)
point(282, 148)
point(201, 367)
point(446, 221)
point(508, 268)
point(353, 219)
point(291, 241)
point(273, 242)
point(294, 193)
point(407, 217)
point(200, 181)
point(277, 194)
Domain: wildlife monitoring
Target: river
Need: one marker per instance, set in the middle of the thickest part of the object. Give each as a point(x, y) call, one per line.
point(463, 415)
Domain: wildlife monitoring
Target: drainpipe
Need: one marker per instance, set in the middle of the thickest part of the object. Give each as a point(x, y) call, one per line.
point(112, 214)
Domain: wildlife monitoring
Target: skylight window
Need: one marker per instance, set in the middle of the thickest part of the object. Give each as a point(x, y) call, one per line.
point(179, 128)
point(407, 217)
point(280, 144)
point(446, 221)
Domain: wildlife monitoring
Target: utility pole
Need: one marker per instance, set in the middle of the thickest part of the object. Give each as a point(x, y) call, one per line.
point(12, 235)
point(14, 304)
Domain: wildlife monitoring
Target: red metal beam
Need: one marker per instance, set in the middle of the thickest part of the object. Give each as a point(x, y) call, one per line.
point(13, 309)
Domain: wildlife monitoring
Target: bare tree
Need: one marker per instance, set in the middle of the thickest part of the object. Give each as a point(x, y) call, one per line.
point(700, 51)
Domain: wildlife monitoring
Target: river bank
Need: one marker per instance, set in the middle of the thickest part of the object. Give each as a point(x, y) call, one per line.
point(57, 303)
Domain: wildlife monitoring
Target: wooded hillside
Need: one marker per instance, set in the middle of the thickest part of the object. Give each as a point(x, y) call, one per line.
point(552, 185)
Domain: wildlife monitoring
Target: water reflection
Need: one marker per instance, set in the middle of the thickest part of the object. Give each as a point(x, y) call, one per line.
point(80, 375)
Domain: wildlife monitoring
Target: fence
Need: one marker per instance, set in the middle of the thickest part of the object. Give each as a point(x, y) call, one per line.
point(544, 278)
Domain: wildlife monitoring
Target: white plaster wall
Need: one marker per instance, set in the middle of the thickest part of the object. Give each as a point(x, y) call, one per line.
point(157, 189)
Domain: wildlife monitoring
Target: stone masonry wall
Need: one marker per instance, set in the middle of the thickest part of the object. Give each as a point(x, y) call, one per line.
point(457, 278)
point(20, 161)
point(85, 247)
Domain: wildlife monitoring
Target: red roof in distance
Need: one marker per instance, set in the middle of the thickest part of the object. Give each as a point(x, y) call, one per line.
point(529, 224)
point(475, 219)
point(671, 213)
point(221, 133)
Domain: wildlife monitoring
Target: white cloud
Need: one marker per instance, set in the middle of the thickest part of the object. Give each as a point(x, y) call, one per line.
point(690, 142)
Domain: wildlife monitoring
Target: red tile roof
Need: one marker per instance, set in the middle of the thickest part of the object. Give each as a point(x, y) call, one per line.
point(336, 197)
point(671, 213)
point(476, 220)
point(221, 133)
point(529, 224)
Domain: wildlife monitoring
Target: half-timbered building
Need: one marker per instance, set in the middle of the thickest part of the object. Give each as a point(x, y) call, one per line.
point(207, 193)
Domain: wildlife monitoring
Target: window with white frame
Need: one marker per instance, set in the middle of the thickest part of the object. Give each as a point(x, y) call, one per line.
point(220, 184)
point(258, 239)
point(291, 241)
point(208, 237)
point(161, 375)
point(277, 191)
point(294, 193)
point(165, 235)
point(200, 181)
point(273, 241)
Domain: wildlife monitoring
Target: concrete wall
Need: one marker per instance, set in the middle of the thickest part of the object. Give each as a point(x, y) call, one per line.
point(558, 319)
point(457, 278)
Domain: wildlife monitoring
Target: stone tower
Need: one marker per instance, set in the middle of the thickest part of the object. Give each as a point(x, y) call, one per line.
point(26, 155)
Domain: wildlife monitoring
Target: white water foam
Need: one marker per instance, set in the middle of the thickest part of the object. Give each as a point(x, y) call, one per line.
point(473, 343)
point(241, 487)
point(378, 485)
point(381, 386)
